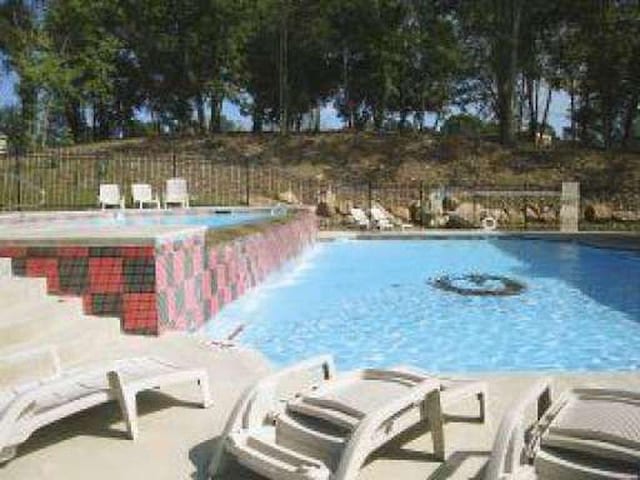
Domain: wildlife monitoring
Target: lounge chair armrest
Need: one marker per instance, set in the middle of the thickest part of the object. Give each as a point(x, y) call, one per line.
point(509, 441)
point(260, 402)
point(354, 455)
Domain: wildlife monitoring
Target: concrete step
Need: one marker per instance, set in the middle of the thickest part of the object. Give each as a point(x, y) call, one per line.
point(81, 338)
point(5, 267)
point(37, 319)
point(18, 290)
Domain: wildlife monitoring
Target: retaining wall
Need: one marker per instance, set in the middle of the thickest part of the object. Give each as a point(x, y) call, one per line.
point(176, 284)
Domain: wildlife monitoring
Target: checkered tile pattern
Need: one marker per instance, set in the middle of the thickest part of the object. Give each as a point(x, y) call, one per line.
point(179, 272)
point(113, 281)
point(175, 285)
point(234, 268)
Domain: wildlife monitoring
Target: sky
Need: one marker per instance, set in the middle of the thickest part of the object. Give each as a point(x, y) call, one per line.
point(328, 117)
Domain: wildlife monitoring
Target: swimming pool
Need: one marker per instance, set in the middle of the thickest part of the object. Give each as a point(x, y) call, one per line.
point(206, 218)
point(375, 303)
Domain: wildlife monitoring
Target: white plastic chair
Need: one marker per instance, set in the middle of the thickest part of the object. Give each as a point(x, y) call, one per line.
point(176, 193)
point(143, 195)
point(308, 423)
point(28, 404)
point(110, 196)
point(360, 217)
point(586, 433)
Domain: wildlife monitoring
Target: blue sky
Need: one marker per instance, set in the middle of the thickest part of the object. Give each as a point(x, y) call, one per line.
point(328, 117)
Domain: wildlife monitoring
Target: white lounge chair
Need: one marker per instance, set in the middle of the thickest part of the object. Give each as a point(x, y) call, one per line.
point(176, 193)
point(360, 217)
point(380, 218)
point(142, 194)
point(109, 196)
point(588, 433)
point(27, 406)
point(384, 220)
point(306, 423)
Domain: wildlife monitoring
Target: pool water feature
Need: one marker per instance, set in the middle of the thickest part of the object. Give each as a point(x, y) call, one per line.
point(372, 303)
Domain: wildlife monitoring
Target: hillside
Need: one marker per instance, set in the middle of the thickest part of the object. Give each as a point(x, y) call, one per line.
point(402, 158)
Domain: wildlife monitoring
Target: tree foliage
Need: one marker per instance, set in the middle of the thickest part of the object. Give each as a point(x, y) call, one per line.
point(89, 70)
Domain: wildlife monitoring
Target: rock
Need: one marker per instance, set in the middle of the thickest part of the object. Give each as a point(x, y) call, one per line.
point(548, 215)
point(325, 210)
point(625, 216)
point(288, 197)
point(455, 221)
point(403, 213)
point(450, 203)
point(598, 212)
point(344, 207)
point(414, 212)
point(532, 213)
point(467, 212)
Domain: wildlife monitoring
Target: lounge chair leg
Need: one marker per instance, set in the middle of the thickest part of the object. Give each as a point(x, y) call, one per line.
point(436, 423)
point(482, 401)
point(7, 453)
point(127, 401)
point(203, 381)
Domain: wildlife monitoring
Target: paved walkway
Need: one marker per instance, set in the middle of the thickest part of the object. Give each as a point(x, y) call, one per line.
point(177, 437)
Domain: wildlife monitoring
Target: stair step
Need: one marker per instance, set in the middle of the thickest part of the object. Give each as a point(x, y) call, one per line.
point(78, 342)
point(15, 290)
point(36, 320)
point(5, 267)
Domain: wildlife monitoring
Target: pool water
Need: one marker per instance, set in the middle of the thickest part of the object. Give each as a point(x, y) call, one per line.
point(212, 220)
point(374, 303)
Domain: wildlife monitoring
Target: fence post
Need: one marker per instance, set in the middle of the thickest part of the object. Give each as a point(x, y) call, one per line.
point(174, 165)
point(370, 195)
point(248, 181)
point(18, 182)
point(570, 207)
point(421, 204)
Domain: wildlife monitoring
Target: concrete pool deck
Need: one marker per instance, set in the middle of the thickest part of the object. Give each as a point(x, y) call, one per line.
point(177, 437)
point(627, 240)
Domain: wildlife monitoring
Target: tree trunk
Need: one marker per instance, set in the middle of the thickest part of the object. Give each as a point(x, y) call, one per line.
point(629, 117)
point(202, 121)
point(533, 109)
point(545, 114)
point(215, 123)
point(572, 94)
point(505, 52)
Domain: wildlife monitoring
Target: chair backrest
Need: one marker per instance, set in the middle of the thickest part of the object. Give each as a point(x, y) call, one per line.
point(379, 215)
point(141, 192)
point(177, 189)
point(358, 214)
point(110, 193)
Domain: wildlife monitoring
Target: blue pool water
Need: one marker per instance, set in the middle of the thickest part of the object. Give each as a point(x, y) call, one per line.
point(372, 303)
point(213, 220)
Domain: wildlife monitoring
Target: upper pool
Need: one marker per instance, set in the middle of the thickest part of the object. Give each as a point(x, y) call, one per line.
point(206, 218)
point(377, 303)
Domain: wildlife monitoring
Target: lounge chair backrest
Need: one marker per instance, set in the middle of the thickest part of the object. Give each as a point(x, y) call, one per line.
point(176, 190)
point(358, 214)
point(110, 193)
point(380, 214)
point(141, 192)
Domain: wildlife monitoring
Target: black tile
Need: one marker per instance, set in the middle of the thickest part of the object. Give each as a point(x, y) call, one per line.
point(74, 274)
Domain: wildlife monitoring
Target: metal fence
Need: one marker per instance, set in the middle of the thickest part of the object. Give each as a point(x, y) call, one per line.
point(58, 180)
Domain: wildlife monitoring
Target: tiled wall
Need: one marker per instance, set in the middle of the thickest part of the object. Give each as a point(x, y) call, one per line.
point(234, 268)
point(174, 285)
point(113, 281)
